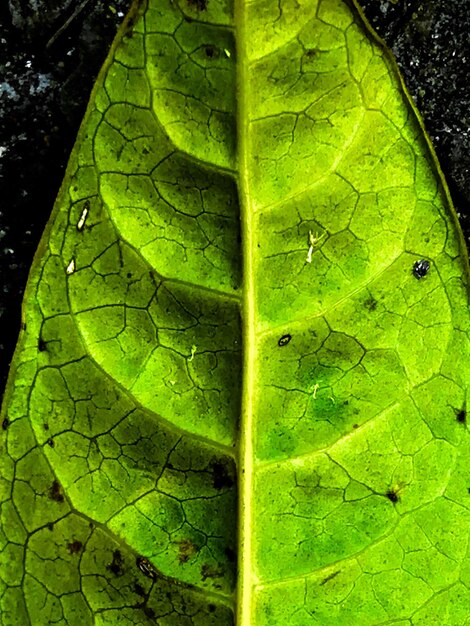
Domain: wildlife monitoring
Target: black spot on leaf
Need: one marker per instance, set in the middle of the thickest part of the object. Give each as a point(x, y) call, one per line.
point(221, 478)
point(74, 547)
point(199, 5)
point(116, 566)
point(50, 526)
point(42, 346)
point(284, 340)
point(211, 52)
point(461, 416)
point(311, 52)
point(230, 554)
point(50, 443)
point(139, 590)
point(55, 492)
point(5, 423)
point(392, 495)
point(211, 608)
point(149, 612)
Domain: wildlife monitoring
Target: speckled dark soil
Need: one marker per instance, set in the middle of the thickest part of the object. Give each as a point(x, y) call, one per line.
point(51, 51)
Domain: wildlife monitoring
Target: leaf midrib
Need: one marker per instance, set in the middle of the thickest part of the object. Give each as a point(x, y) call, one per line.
point(245, 464)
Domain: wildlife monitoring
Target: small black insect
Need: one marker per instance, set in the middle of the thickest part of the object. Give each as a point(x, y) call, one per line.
point(284, 340)
point(461, 416)
point(421, 268)
point(392, 495)
point(146, 567)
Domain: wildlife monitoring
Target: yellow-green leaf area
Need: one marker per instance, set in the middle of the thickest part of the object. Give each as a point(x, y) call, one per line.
point(240, 394)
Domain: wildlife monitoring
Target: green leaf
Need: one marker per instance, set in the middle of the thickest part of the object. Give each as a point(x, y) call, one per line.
point(226, 296)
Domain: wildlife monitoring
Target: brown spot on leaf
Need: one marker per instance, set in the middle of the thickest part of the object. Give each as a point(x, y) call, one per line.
point(330, 577)
point(370, 303)
point(55, 492)
point(221, 478)
point(74, 547)
point(187, 549)
point(212, 571)
point(116, 565)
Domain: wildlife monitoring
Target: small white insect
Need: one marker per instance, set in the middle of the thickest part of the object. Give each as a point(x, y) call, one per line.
point(227, 53)
point(193, 352)
point(83, 216)
point(313, 240)
point(70, 269)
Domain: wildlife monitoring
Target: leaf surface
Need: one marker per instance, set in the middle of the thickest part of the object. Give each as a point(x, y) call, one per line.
point(231, 368)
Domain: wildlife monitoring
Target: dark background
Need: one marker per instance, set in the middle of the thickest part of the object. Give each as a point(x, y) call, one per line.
point(52, 50)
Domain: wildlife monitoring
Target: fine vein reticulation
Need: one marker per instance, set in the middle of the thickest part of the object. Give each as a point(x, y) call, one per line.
point(233, 402)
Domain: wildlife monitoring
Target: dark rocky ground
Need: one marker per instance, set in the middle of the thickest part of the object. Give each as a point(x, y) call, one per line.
point(51, 51)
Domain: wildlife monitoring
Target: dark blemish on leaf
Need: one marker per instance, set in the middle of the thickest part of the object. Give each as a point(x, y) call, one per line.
point(211, 608)
point(129, 274)
point(461, 416)
point(421, 268)
point(221, 479)
point(146, 567)
point(187, 549)
point(330, 577)
point(212, 571)
point(170, 466)
point(311, 52)
point(284, 340)
point(55, 492)
point(199, 5)
point(5, 423)
point(370, 303)
point(74, 547)
point(50, 526)
point(42, 346)
point(139, 590)
point(230, 554)
point(50, 443)
point(45, 426)
point(392, 495)
point(149, 612)
point(116, 565)
point(210, 51)
point(355, 425)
